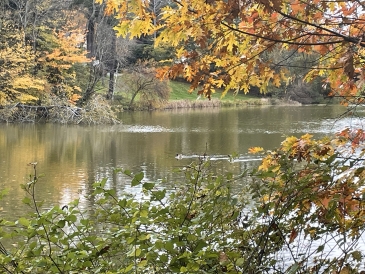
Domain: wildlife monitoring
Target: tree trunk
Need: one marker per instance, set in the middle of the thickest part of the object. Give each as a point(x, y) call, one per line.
point(114, 68)
point(133, 97)
point(90, 37)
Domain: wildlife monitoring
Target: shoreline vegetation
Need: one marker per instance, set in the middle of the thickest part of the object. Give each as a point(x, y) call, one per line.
point(98, 111)
point(175, 104)
point(102, 111)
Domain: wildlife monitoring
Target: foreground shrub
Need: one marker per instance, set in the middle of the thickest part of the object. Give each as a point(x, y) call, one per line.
point(301, 211)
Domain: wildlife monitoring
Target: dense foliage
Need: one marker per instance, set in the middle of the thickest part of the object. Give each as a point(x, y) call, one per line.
point(221, 43)
point(40, 42)
point(301, 211)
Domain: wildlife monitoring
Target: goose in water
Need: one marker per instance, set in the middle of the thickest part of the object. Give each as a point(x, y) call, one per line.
point(178, 156)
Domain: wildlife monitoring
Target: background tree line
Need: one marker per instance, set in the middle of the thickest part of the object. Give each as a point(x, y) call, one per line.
point(52, 50)
point(66, 51)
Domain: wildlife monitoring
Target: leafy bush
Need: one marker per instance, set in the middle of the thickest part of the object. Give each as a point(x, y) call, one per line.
point(304, 202)
point(140, 82)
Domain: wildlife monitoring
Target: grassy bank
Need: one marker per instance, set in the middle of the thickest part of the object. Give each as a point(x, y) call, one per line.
point(180, 91)
point(180, 98)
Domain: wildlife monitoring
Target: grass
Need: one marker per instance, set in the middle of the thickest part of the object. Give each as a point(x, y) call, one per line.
point(180, 91)
point(180, 97)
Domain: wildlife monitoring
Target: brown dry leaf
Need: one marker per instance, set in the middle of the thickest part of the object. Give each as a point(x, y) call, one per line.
point(293, 235)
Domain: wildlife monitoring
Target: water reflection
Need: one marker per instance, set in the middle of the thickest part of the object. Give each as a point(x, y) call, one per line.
point(73, 157)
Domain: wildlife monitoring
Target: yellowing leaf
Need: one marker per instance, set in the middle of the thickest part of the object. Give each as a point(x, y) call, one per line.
point(288, 143)
point(254, 150)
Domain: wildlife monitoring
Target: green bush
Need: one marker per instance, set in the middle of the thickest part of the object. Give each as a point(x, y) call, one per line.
point(304, 201)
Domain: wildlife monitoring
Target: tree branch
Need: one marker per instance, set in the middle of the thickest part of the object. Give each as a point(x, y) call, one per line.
point(290, 42)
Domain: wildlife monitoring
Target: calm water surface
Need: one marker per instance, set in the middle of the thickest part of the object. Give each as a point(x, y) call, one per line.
point(71, 158)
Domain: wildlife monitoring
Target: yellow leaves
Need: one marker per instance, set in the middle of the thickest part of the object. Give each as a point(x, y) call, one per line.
point(3, 98)
point(139, 27)
point(111, 5)
point(27, 83)
point(189, 72)
point(26, 98)
point(276, 80)
point(122, 28)
point(74, 98)
point(254, 80)
point(235, 35)
point(288, 143)
point(66, 53)
point(269, 163)
point(255, 150)
point(230, 42)
point(305, 148)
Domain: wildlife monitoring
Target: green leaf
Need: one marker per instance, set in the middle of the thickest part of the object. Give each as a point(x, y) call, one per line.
point(117, 170)
point(3, 193)
point(293, 269)
point(164, 258)
point(158, 195)
point(135, 252)
point(86, 264)
point(84, 222)
point(139, 176)
point(129, 268)
point(143, 213)
point(142, 263)
point(26, 200)
point(148, 186)
point(103, 182)
point(23, 221)
point(137, 179)
point(122, 203)
point(240, 261)
point(61, 223)
point(169, 246)
point(127, 172)
point(200, 244)
point(32, 245)
point(159, 245)
point(144, 237)
point(320, 248)
point(357, 255)
point(71, 218)
point(130, 240)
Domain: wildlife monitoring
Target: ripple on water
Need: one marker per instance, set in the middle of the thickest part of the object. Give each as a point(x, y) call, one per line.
point(146, 129)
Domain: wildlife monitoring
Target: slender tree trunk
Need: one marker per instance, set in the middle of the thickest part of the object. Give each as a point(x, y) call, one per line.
point(114, 68)
point(133, 97)
point(90, 35)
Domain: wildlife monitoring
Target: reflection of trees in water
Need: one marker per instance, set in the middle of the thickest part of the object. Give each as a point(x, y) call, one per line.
point(73, 157)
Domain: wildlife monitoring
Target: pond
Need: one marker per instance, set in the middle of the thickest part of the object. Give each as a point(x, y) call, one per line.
point(70, 158)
